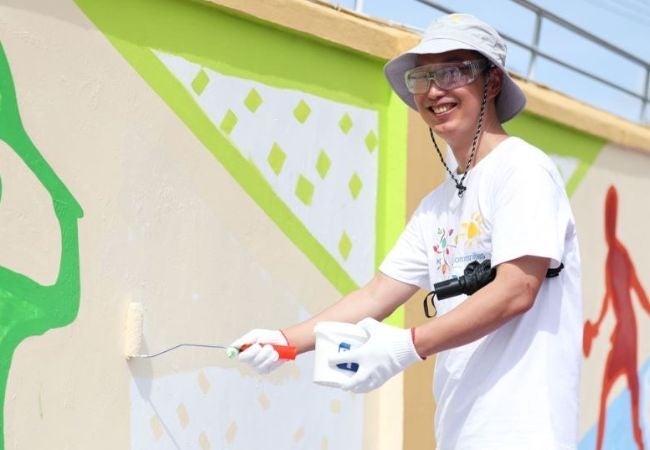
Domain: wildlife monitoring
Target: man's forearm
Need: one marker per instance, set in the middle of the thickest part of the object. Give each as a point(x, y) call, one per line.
point(512, 293)
point(378, 299)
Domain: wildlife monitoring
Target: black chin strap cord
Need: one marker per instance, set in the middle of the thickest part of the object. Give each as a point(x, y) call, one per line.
point(459, 183)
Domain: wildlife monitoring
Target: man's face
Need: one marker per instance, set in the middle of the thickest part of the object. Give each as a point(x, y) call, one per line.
point(451, 112)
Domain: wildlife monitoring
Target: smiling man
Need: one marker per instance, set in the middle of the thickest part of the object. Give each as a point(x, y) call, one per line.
point(508, 355)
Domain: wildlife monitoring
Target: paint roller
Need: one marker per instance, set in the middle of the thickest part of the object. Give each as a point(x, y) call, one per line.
point(134, 332)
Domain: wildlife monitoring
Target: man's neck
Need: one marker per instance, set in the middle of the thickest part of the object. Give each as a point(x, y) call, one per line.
point(487, 141)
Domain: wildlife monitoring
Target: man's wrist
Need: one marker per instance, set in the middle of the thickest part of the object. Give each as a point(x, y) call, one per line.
point(284, 335)
point(415, 346)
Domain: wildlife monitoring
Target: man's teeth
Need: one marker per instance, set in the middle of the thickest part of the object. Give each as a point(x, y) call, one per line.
point(441, 109)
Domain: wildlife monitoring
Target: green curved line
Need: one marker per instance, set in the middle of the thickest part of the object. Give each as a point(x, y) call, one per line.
point(28, 308)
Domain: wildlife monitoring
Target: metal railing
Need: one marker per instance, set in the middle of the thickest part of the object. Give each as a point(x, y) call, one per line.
point(642, 94)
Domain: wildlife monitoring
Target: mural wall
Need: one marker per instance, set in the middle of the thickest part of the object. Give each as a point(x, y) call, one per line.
point(227, 184)
point(229, 173)
point(616, 391)
point(39, 282)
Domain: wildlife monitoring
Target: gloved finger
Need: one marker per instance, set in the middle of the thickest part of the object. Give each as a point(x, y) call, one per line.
point(354, 383)
point(269, 361)
point(364, 388)
point(265, 354)
point(248, 338)
point(365, 384)
point(349, 384)
point(249, 355)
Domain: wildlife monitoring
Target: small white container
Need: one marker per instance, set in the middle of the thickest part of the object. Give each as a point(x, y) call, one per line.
point(332, 338)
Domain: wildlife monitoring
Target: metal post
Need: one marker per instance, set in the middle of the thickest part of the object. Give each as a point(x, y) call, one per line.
point(646, 97)
point(358, 6)
point(536, 53)
point(533, 55)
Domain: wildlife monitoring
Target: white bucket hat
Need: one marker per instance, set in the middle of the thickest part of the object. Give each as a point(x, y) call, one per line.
point(459, 32)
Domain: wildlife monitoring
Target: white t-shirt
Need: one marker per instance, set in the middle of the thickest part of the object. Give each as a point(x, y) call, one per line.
point(517, 387)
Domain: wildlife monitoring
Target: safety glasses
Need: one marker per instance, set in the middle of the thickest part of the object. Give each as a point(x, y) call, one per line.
point(445, 75)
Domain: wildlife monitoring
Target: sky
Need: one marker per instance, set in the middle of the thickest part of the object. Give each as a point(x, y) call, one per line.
point(622, 23)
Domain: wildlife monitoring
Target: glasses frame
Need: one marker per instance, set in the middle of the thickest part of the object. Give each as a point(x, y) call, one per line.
point(433, 74)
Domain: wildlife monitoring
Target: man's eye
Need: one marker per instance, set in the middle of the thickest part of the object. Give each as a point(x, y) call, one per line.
point(448, 74)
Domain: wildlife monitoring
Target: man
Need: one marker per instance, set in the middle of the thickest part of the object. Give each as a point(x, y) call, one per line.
point(508, 356)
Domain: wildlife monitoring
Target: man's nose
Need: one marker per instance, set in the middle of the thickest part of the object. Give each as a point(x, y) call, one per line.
point(434, 91)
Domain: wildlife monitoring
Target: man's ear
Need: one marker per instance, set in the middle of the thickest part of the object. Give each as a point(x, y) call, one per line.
point(495, 83)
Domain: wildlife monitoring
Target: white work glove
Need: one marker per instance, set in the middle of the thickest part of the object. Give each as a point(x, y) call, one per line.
point(262, 358)
point(388, 351)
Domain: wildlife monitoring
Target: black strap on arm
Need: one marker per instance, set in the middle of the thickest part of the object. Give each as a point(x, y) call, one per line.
point(475, 276)
point(552, 273)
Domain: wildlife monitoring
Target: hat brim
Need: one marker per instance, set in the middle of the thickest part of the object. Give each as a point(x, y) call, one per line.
point(510, 101)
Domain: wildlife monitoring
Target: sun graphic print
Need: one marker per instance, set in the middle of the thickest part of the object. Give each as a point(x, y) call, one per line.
point(444, 250)
point(470, 231)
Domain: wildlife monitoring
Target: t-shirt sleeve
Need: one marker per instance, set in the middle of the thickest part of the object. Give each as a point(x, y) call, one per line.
point(407, 260)
point(531, 213)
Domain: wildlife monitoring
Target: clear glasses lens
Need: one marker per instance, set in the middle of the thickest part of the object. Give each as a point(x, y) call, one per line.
point(445, 76)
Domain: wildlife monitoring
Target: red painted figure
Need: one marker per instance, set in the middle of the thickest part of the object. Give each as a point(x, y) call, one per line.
point(620, 279)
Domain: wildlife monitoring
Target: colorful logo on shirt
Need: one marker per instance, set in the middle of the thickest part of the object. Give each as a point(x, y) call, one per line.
point(444, 249)
point(449, 244)
point(471, 231)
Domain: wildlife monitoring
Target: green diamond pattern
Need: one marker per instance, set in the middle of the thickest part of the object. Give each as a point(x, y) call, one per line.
point(276, 158)
point(229, 121)
point(200, 81)
point(302, 111)
point(323, 164)
point(253, 100)
point(345, 123)
point(371, 141)
point(345, 245)
point(355, 185)
point(304, 190)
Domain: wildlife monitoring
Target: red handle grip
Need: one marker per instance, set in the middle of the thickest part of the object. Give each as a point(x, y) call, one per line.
point(286, 352)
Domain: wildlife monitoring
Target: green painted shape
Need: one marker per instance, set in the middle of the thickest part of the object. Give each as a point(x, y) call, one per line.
point(345, 245)
point(276, 158)
point(247, 175)
point(558, 139)
point(28, 308)
point(253, 100)
point(323, 164)
point(371, 141)
point(345, 124)
point(200, 82)
point(355, 185)
point(302, 111)
point(228, 122)
point(304, 190)
point(203, 33)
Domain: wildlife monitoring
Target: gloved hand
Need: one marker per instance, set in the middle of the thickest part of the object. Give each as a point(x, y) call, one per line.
point(262, 358)
point(388, 351)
